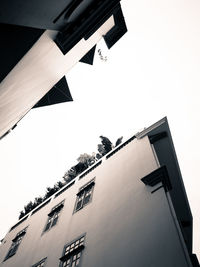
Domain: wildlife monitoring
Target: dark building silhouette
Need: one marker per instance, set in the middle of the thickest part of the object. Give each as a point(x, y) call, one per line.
point(41, 41)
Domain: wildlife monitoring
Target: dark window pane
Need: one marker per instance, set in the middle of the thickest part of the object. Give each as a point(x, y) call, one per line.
point(84, 196)
point(53, 216)
point(47, 226)
point(40, 264)
point(15, 248)
point(86, 199)
point(79, 204)
point(55, 219)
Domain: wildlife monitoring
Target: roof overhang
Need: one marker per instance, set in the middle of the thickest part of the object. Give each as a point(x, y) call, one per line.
point(42, 42)
point(160, 137)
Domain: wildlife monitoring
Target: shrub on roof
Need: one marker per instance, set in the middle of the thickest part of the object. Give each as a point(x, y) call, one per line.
point(84, 161)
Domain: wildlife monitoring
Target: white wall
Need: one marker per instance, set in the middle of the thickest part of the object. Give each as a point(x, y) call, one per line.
point(125, 224)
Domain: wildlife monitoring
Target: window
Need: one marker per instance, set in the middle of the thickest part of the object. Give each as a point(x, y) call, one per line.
point(72, 253)
point(40, 263)
point(15, 244)
point(53, 216)
point(84, 195)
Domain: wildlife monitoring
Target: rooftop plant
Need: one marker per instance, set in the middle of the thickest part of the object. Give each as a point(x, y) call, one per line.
point(84, 161)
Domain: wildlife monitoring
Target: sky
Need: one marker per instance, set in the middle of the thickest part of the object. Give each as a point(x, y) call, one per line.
point(152, 72)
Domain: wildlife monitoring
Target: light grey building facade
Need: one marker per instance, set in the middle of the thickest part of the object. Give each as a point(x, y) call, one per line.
point(129, 209)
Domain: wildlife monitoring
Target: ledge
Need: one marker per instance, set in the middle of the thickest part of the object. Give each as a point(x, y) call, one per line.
point(57, 209)
point(68, 255)
point(115, 150)
point(18, 223)
point(91, 168)
point(157, 176)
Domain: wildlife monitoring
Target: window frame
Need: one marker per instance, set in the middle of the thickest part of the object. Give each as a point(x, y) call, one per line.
point(39, 262)
point(83, 190)
point(15, 244)
point(74, 252)
point(53, 216)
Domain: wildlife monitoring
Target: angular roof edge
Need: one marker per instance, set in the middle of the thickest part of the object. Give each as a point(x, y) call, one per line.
point(144, 132)
point(160, 137)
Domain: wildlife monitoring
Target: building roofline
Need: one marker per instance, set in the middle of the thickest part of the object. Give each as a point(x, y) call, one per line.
point(147, 130)
point(161, 126)
point(159, 135)
point(163, 123)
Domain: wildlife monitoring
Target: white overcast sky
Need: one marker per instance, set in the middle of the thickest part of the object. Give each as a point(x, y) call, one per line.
point(152, 72)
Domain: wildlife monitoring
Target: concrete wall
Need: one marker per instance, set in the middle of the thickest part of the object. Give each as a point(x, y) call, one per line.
point(125, 224)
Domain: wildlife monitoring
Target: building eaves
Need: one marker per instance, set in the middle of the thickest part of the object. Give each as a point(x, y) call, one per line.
point(36, 41)
point(160, 138)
